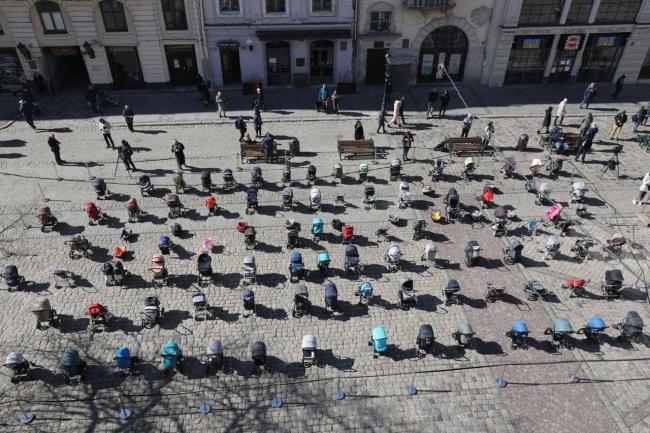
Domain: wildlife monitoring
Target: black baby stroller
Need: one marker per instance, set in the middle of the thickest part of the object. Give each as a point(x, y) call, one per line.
point(287, 199)
point(581, 248)
point(631, 328)
point(406, 294)
point(228, 180)
point(152, 312)
point(249, 237)
point(12, 278)
point(99, 185)
point(215, 359)
point(499, 227)
point(301, 302)
point(146, 187)
point(560, 333)
point(257, 181)
point(472, 254)
point(202, 309)
point(368, 196)
point(293, 235)
point(206, 181)
point(494, 293)
point(114, 273)
point(311, 174)
point(512, 254)
point(249, 270)
point(72, 366)
point(464, 335)
point(535, 290)
point(79, 247)
point(613, 284)
point(395, 169)
point(450, 292)
point(251, 201)
point(175, 206)
point(204, 269)
point(419, 227)
point(452, 205)
point(425, 341)
point(248, 301)
point(44, 313)
point(309, 351)
point(331, 298)
point(437, 170)
point(19, 367)
point(258, 354)
point(352, 263)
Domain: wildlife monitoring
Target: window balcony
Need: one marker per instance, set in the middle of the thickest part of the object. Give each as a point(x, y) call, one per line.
point(441, 5)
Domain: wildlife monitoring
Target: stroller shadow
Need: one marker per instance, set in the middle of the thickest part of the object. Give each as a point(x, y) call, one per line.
point(193, 368)
point(34, 287)
point(542, 345)
point(472, 302)
point(327, 358)
point(272, 280)
point(182, 281)
point(137, 281)
point(268, 248)
point(67, 230)
point(42, 374)
point(378, 301)
point(70, 325)
point(397, 354)
point(125, 325)
point(527, 262)
point(225, 315)
point(349, 311)
point(99, 377)
point(265, 312)
point(428, 302)
point(231, 280)
point(488, 347)
point(228, 215)
point(100, 254)
point(374, 271)
point(172, 318)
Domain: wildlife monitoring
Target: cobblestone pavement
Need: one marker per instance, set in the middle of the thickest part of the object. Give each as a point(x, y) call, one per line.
point(456, 390)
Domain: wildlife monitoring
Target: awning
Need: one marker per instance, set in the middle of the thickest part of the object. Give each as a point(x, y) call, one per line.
point(278, 35)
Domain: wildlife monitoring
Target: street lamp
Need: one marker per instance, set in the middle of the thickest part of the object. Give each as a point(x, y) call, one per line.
point(387, 83)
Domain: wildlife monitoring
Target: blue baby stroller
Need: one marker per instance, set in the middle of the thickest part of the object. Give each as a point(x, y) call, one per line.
point(72, 366)
point(560, 333)
point(172, 358)
point(165, 245)
point(256, 177)
point(518, 335)
point(248, 299)
point(364, 292)
point(593, 330)
point(204, 269)
point(378, 341)
point(124, 362)
point(352, 262)
point(251, 201)
point(296, 267)
point(331, 297)
point(317, 229)
point(324, 263)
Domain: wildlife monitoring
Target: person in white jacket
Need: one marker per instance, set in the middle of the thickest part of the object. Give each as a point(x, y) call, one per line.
point(643, 190)
point(561, 112)
point(395, 119)
point(105, 127)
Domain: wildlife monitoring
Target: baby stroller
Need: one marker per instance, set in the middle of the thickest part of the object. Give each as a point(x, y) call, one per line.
point(228, 180)
point(450, 292)
point(494, 293)
point(469, 167)
point(368, 196)
point(337, 172)
point(311, 174)
point(215, 359)
point(535, 290)
point(418, 229)
point(206, 181)
point(394, 258)
point(551, 247)
point(257, 180)
point(296, 267)
point(631, 328)
point(554, 214)
point(472, 254)
point(437, 170)
point(293, 238)
point(554, 166)
point(249, 270)
point(179, 183)
point(99, 317)
point(152, 312)
point(12, 278)
point(309, 353)
point(211, 204)
point(531, 227)
point(499, 227)
point(114, 273)
point(287, 199)
point(286, 174)
point(317, 229)
point(79, 246)
point(593, 330)
point(518, 335)
point(508, 168)
point(561, 333)
point(581, 248)
point(535, 167)
point(364, 292)
point(578, 192)
point(124, 361)
point(95, 214)
point(378, 341)
point(159, 271)
point(99, 185)
point(512, 254)
point(613, 284)
point(363, 172)
point(406, 294)
point(424, 343)
point(201, 307)
point(452, 205)
point(347, 232)
point(577, 287)
point(487, 196)
point(405, 197)
point(543, 195)
point(251, 201)
point(171, 358)
point(352, 263)
point(133, 210)
point(430, 254)
point(175, 206)
point(331, 298)
point(464, 335)
point(301, 302)
point(395, 169)
point(46, 219)
point(44, 313)
point(19, 367)
point(165, 244)
point(204, 269)
point(146, 187)
point(615, 243)
point(249, 237)
point(323, 263)
point(258, 354)
point(314, 199)
point(72, 366)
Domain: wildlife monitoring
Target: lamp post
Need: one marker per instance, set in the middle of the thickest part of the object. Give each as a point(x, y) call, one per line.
point(387, 83)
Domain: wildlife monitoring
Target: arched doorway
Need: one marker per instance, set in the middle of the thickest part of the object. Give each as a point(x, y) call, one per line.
point(278, 63)
point(321, 62)
point(444, 46)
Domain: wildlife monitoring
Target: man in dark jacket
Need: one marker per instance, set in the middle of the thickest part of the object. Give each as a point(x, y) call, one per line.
point(268, 146)
point(618, 86)
point(619, 121)
point(125, 152)
point(26, 107)
point(584, 125)
point(433, 97)
point(585, 145)
point(240, 124)
point(546, 123)
point(128, 117)
point(381, 122)
point(639, 118)
point(444, 103)
point(257, 121)
point(401, 110)
point(358, 131)
point(55, 147)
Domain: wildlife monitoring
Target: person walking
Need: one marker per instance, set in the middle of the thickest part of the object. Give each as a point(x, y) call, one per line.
point(125, 152)
point(546, 123)
point(585, 145)
point(220, 99)
point(381, 122)
point(259, 97)
point(639, 118)
point(618, 86)
point(407, 143)
point(589, 95)
point(431, 106)
point(395, 119)
point(26, 107)
point(128, 117)
point(268, 147)
point(179, 152)
point(401, 110)
point(105, 128)
point(55, 147)
point(619, 121)
point(335, 102)
point(257, 121)
point(240, 124)
point(489, 132)
point(584, 125)
point(561, 112)
point(358, 131)
point(467, 125)
point(643, 190)
point(444, 103)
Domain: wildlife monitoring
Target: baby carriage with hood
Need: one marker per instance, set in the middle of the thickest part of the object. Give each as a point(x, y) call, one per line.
point(551, 247)
point(560, 333)
point(436, 172)
point(249, 270)
point(158, 271)
point(206, 181)
point(63, 278)
point(46, 219)
point(554, 166)
point(311, 174)
point(175, 206)
point(512, 254)
point(378, 341)
point(314, 199)
point(133, 210)
point(364, 292)
point(508, 168)
point(395, 169)
point(215, 358)
point(363, 172)
point(494, 293)
point(229, 183)
point(543, 195)
point(324, 263)
point(352, 263)
point(296, 267)
point(286, 173)
point(577, 287)
point(257, 180)
point(469, 168)
point(615, 243)
point(393, 258)
point(406, 294)
point(581, 248)
point(472, 254)
point(211, 204)
point(171, 358)
point(95, 214)
point(258, 354)
point(249, 237)
point(251, 201)
point(179, 183)
point(99, 185)
point(12, 278)
point(631, 328)
point(204, 269)
point(430, 254)
point(287, 199)
point(499, 227)
point(301, 302)
point(535, 167)
point(19, 367)
point(450, 292)
point(347, 232)
point(535, 290)
point(309, 351)
point(337, 171)
point(114, 273)
point(593, 330)
point(152, 312)
point(613, 284)
point(452, 205)
point(331, 298)
point(418, 229)
point(124, 361)
point(202, 309)
point(72, 366)
point(464, 335)
point(317, 229)
point(368, 196)
point(425, 341)
point(99, 317)
point(79, 247)
point(293, 234)
point(405, 196)
point(518, 335)
point(146, 187)
point(165, 245)
point(487, 195)
point(44, 313)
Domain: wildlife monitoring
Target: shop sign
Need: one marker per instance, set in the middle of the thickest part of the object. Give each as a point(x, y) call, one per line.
point(606, 41)
point(531, 44)
point(230, 44)
point(572, 42)
point(179, 47)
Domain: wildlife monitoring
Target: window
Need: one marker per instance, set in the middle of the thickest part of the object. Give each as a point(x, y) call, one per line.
point(618, 11)
point(174, 13)
point(645, 68)
point(321, 5)
point(275, 6)
point(579, 11)
point(51, 17)
point(229, 5)
point(380, 21)
point(113, 15)
point(534, 12)
point(405, 43)
point(1, 31)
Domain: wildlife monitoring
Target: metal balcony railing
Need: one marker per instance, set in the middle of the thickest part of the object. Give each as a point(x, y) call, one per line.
point(428, 4)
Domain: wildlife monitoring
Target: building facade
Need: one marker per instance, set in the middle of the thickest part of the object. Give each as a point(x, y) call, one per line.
point(279, 42)
point(125, 44)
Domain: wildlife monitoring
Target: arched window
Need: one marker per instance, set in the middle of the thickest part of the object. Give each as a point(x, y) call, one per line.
point(113, 16)
point(51, 17)
point(174, 13)
point(444, 47)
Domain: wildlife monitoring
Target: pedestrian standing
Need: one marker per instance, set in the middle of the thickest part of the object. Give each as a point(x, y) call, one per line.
point(128, 117)
point(618, 86)
point(407, 143)
point(489, 132)
point(358, 131)
point(260, 96)
point(26, 107)
point(240, 124)
point(585, 145)
point(257, 121)
point(381, 122)
point(561, 112)
point(401, 110)
point(323, 98)
point(395, 119)
point(588, 97)
point(431, 106)
point(105, 128)
point(125, 152)
point(221, 103)
point(179, 152)
point(639, 118)
point(546, 123)
point(584, 125)
point(467, 125)
point(444, 103)
point(335, 102)
point(55, 147)
point(268, 146)
point(643, 190)
point(619, 121)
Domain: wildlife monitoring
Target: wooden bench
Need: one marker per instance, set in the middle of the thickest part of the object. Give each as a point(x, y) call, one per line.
point(250, 151)
point(572, 139)
point(352, 148)
point(463, 145)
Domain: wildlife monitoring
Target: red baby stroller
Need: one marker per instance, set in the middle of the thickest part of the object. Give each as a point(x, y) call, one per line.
point(134, 210)
point(95, 215)
point(45, 218)
point(348, 233)
point(99, 317)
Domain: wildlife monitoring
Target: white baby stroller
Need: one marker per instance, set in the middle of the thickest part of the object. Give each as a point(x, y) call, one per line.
point(287, 199)
point(18, 365)
point(578, 192)
point(314, 199)
point(201, 307)
point(249, 270)
point(535, 167)
point(469, 168)
point(394, 258)
point(405, 196)
point(215, 359)
point(430, 254)
point(551, 247)
point(309, 351)
point(395, 169)
point(543, 195)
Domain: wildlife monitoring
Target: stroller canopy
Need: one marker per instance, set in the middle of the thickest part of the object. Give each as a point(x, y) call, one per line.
point(500, 212)
point(227, 175)
point(158, 260)
point(430, 251)
point(43, 211)
point(520, 327)
point(365, 288)
point(579, 186)
point(171, 349)
point(314, 194)
point(562, 326)
point(151, 301)
point(70, 358)
point(596, 323)
point(14, 358)
point(404, 187)
point(544, 189)
point(406, 284)
point(324, 258)
point(634, 320)
point(425, 332)
point(553, 241)
point(464, 328)
point(214, 347)
point(198, 298)
point(248, 263)
point(311, 170)
point(536, 163)
point(295, 258)
point(123, 357)
point(42, 305)
point(379, 338)
point(469, 162)
point(453, 285)
point(173, 200)
point(301, 291)
point(613, 276)
point(452, 198)
point(256, 172)
point(317, 225)
point(438, 164)
point(395, 163)
point(330, 290)
point(287, 193)
point(515, 245)
point(99, 185)
point(203, 262)
point(251, 194)
point(394, 253)
point(363, 167)
point(248, 295)
point(144, 181)
point(351, 251)
point(258, 349)
point(10, 272)
point(165, 241)
point(308, 342)
point(96, 308)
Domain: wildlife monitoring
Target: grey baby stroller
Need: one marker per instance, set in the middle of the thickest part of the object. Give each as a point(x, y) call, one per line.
point(45, 314)
point(612, 284)
point(543, 195)
point(249, 270)
point(229, 183)
point(535, 290)
point(393, 258)
point(293, 234)
point(464, 335)
point(257, 181)
point(152, 312)
point(405, 197)
point(436, 172)
point(206, 181)
point(63, 278)
point(202, 309)
point(251, 201)
point(249, 237)
point(430, 255)
point(352, 263)
point(631, 327)
point(301, 302)
point(215, 359)
point(286, 173)
point(314, 199)
point(500, 224)
point(395, 169)
point(581, 248)
point(101, 190)
point(174, 205)
point(309, 351)
point(114, 273)
point(419, 231)
point(615, 243)
point(287, 199)
point(368, 196)
point(204, 269)
point(551, 247)
point(452, 205)
point(145, 185)
point(472, 254)
point(450, 292)
point(18, 366)
point(560, 333)
point(72, 366)
point(554, 166)
point(12, 278)
point(494, 293)
point(248, 301)
point(79, 247)
point(406, 294)
point(512, 254)
point(578, 192)
point(331, 298)
point(258, 354)
point(425, 341)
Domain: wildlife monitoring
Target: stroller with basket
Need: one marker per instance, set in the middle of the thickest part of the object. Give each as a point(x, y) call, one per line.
point(158, 271)
point(469, 168)
point(452, 205)
point(551, 247)
point(324, 263)
point(176, 208)
point(309, 351)
point(215, 358)
point(508, 168)
point(368, 196)
point(79, 247)
point(99, 185)
point(512, 254)
point(257, 181)
point(99, 317)
point(364, 292)
point(394, 258)
point(405, 197)
point(554, 166)
point(560, 333)
point(419, 231)
point(249, 237)
point(229, 183)
point(450, 292)
point(145, 185)
point(578, 192)
point(114, 273)
point(406, 294)
point(202, 309)
point(46, 219)
point(352, 263)
point(296, 267)
point(12, 278)
point(152, 312)
point(18, 366)
point(314, 199)
point(301, 302)
point(612, 284)
point(287, 199)
point(499, 227)
point(631, 328)
point(44, 313)
point(251, 201)
point(293, 234)
point(249, 270)
point(72, 366)
point(395, 169)
point(204, 269)
point(494, 293)
point(133, 210)
point(472, 254)
point(347, 232)
point(543, 195)
point(95, 214)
